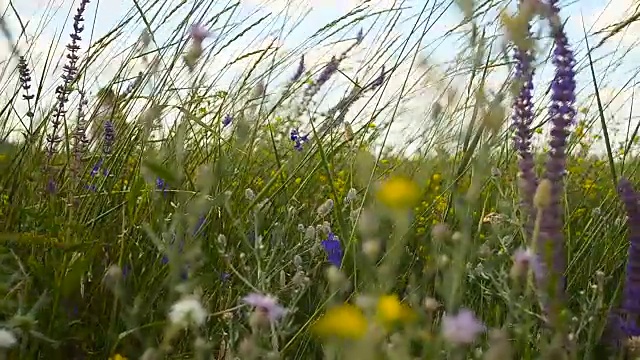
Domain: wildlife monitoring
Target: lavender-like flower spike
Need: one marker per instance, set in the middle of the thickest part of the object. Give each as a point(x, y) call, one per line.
point(80, 141)
point(70, 73)
point(522, 119)
point(561, 114)
point(25, 82)
point(328, 71)
point(299, 70)
point(109, 137)
point(631, 294)
point(377, 82)
point(360, 36)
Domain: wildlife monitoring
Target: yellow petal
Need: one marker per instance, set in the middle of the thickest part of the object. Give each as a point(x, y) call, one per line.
point(345, 321)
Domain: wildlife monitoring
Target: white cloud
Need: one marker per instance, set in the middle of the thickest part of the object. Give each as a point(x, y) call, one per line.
point(614, 12)
point(339, 6)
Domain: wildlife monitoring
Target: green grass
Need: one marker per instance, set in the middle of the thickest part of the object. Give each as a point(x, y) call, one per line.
point(92, 269)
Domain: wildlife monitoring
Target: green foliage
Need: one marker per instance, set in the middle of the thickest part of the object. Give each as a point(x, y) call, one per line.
point(209, 212)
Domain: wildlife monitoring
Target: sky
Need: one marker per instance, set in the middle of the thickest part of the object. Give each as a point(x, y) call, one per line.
point(423, 42)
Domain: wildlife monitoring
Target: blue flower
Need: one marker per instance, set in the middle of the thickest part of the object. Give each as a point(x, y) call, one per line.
point(96, 167)
point(51, 186)
point(333, 248)
point(161, 185)
point(227, 120)
point(94, 171)
point(298, 139)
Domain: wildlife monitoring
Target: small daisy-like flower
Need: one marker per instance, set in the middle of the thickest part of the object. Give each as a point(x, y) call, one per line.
point(187, 311)
point(267, 304)
point(345, 321)
point(7, 339)
point(462, 328)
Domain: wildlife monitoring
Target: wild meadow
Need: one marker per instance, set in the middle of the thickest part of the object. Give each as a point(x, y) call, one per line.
point(166, 214)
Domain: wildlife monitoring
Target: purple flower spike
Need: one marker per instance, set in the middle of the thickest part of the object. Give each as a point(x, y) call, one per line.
point(96, 168)
point(51, 186)
point(333, 248)
point(299, 71)
point(613, 333)
point(522, 119)
point(328, 71)
point(109, 137)
point(631, 294)
point(561, 114)
point(377, 82)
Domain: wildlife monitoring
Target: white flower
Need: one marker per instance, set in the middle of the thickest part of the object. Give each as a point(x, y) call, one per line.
point(7, 339)
point(187, 311)
point(351, 195)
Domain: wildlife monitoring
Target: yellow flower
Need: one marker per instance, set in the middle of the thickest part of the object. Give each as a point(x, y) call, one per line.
point(399, 193)
point(589, 185)
point(117, 357)
point(391, 311)
point(436, 178)
point(345, 321)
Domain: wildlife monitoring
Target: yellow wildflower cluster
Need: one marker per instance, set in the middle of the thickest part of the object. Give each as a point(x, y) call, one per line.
point(433, 206)
point(349, 322)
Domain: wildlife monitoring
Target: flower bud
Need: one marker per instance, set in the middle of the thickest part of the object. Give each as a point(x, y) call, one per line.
point(249, 194)
point(542, 197)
